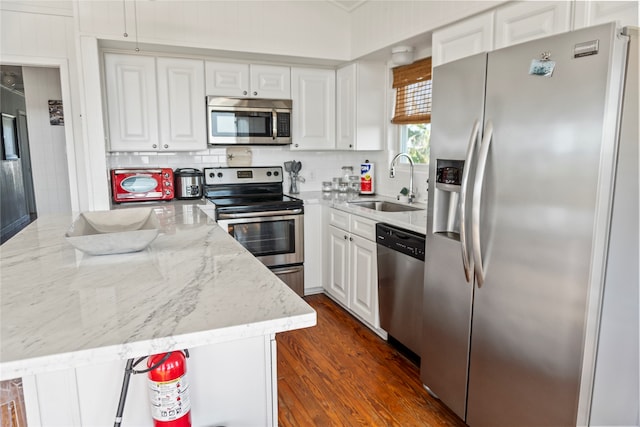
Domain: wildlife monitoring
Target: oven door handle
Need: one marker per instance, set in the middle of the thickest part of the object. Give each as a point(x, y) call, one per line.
point(287, 270)
point(260, 214)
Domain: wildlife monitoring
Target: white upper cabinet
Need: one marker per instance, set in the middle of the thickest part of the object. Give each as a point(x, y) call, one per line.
point(268, 81)
point(245, 80)
point(588, 13)
point(360, 96)
point(180, 100)
point(155, 104)
point(523, 21)
point(465, 38)
point(313, 92)
point(518, 22)
point(131, 102)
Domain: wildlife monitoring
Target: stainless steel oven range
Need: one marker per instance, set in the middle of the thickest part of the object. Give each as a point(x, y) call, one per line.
point(251, 205)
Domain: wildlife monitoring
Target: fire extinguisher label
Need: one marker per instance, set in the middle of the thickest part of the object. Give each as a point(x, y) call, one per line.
point(170, 400)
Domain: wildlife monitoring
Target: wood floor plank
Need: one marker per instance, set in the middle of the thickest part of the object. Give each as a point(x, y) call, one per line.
point(339, 373)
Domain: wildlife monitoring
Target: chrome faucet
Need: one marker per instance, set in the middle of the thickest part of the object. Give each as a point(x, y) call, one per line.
point(392, 173)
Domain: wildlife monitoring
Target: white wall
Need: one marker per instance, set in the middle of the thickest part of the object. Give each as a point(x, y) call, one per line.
point(306, 29)
point(47, 143)
point(41, 33)
point(378, 24)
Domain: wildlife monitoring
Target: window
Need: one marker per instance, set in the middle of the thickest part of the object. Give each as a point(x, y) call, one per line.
point(414, 140)
point(413, 108)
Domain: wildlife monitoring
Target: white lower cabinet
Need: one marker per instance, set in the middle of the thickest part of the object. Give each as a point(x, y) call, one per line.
point(353, 271)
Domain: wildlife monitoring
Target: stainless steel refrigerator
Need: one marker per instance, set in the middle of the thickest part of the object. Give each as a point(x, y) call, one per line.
point(523, 173)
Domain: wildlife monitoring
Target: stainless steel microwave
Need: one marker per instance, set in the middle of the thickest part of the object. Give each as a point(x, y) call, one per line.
point(246, 121)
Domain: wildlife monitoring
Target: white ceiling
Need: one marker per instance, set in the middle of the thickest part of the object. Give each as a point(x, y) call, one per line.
point(347, 5)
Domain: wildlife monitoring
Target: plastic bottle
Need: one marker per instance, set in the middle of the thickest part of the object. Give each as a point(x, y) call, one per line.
point(367, 178)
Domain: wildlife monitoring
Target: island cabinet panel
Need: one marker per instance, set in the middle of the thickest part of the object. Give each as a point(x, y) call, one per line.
point(231, 383)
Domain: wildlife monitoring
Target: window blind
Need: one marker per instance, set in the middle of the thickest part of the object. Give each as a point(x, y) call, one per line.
point(413, 92)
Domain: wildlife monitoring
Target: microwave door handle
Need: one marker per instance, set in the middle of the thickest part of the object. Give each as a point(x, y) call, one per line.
point(274, 124)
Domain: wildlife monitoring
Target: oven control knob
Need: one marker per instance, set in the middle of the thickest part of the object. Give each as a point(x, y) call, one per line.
point(276, 173)
point(219, 174)
point(268, 173)
point(212, 175)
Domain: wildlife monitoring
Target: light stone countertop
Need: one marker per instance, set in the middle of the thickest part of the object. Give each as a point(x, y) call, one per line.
point(194, 285)
point(410, 220)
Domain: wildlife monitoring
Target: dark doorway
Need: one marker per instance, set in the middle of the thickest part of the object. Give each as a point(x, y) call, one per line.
point(17, 198)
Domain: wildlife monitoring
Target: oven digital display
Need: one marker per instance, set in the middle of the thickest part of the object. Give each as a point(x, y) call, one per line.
point(246, 174)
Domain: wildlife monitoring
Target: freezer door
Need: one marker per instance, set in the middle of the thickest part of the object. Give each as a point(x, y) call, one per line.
point(458, 100)
point(539, 202)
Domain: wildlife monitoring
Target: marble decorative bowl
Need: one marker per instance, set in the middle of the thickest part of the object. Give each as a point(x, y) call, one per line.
point(114, 232)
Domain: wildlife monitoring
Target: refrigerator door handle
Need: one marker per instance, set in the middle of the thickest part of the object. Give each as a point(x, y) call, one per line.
point(476, 202)
point(467, 260)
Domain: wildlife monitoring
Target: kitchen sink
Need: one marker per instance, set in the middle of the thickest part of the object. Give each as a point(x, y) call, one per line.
point(384, 206)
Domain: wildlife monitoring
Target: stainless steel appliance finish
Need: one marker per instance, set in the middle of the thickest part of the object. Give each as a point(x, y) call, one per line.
point(514, 270)
point(251, 205)
point(400, 269)
point(274, 237)
point(188, 183)
point(248, 121)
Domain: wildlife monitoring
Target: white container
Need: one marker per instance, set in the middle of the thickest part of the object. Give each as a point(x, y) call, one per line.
point(367, 178)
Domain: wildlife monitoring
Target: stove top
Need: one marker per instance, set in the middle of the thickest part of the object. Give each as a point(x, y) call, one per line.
point(247, 189)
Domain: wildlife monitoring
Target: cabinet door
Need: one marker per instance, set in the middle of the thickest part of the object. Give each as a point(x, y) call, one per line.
point(463, 39)
point(360, 97)
point(346, 107)
point(523, 21)
point(339, 260)
point(181, 104)
point(364, 280)
point(313, 117)
point(227, 79)
point(271, 82)
point(131, 102)
point(589, 13)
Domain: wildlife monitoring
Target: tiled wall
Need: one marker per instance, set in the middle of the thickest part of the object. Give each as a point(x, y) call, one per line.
point(316, 166)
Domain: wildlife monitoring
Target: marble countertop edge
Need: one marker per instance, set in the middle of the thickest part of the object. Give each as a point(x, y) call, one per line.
point(122, 352)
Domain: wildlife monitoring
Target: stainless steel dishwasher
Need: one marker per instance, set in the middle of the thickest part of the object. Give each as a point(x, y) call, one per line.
point(400, 280)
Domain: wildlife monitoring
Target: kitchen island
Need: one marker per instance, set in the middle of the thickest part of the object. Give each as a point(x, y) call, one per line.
point(69, 321)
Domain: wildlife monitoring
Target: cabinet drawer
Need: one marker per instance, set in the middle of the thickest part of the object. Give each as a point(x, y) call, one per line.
point(363, 227)
point(339, 219)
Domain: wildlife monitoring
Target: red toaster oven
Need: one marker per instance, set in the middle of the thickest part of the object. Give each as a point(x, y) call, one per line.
point(138, 185)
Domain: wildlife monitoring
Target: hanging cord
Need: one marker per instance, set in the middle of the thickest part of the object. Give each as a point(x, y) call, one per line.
point(135, 21)
point(128, 370)
point(124, 14)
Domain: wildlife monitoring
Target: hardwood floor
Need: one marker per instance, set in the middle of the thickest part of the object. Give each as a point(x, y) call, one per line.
point(339, 373)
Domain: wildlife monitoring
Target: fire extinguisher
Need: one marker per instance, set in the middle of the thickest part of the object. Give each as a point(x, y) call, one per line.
point(168, 389)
